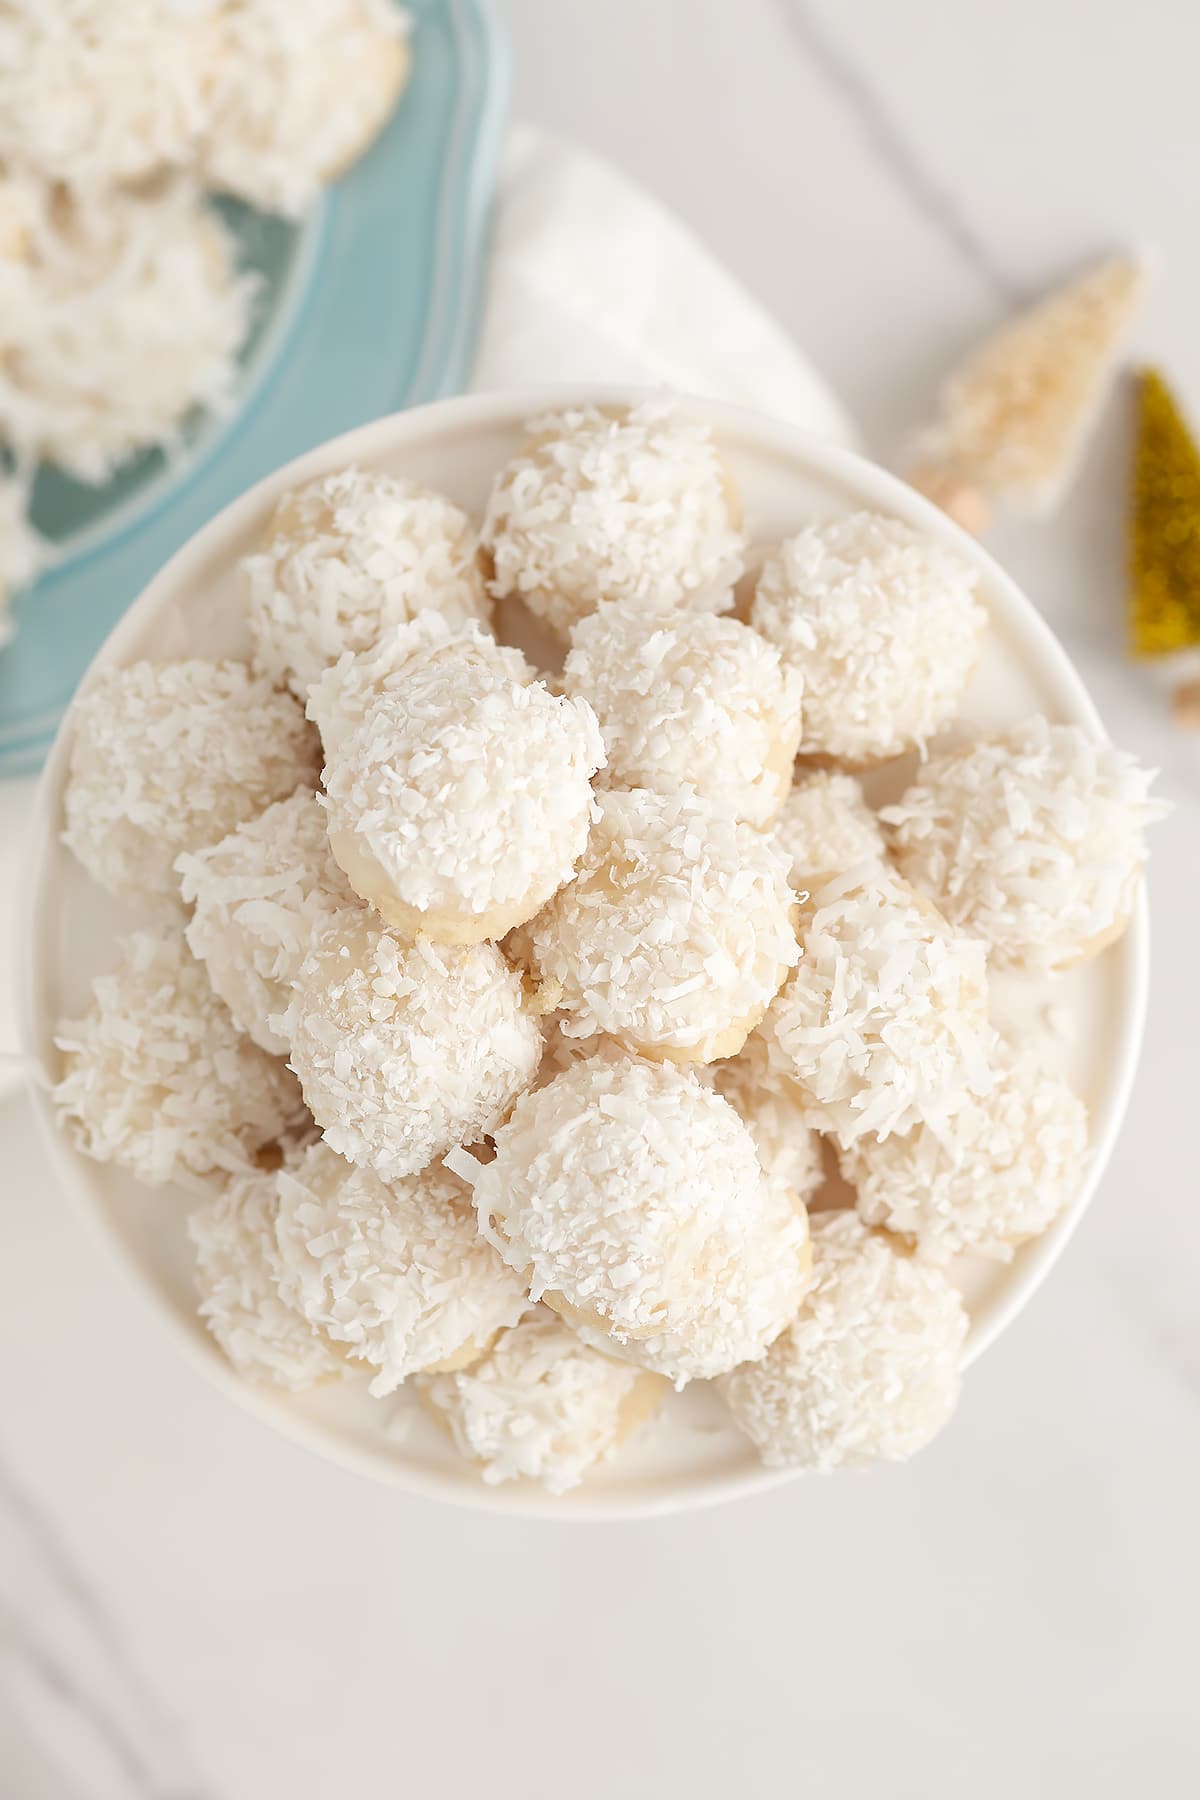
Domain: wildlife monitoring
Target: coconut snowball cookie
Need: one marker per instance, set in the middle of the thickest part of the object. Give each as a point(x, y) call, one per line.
point(703, 1348)
point(339, 701)
point(630, 1197)
point(99, 92)
point(542, 1405)
point(883, 1025)
point(156, 1075)
point(675, 933)
point(688, 698)
point(826, 827)
point(773, 1111)
point(297, 93)
point(462, 799)
point(869, 1369)
point(124, 315)
point(237, 1278)
point(1032, 840)
point(623, 505)
point(394, 1270)
point(1000, 1173)
point(260, 896)
point(884, 624)
point(405, 1050)
point(348, 556)
point(167, 758)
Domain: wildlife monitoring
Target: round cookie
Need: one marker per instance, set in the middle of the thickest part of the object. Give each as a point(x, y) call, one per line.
point(868, 1371)
point(616, 505)
point(125, 314)
point(347, 557)
point(95, 93)
point(1033, 841)
point(237, 1278)
point(297, 93)
point(542, 1405)
point(826, 827)
point(689, 699)
point(156, 1075)
point(394, 1270)
point(167, 758)
point(462, 799)
point(998, 1173)
point(405, 1050)
point(883, 1025)
point(675, 933)
point(772, 1109)
point(340, 699)
point(630, 1198)
point(259, 897)
point(884, 624)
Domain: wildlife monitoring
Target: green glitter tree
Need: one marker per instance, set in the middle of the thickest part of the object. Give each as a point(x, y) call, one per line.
point(1164, 547)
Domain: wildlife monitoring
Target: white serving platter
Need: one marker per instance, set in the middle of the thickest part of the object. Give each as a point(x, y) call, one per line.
point(691, 1455)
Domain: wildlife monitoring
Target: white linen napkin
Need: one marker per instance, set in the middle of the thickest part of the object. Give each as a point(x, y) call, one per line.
point(591, 279)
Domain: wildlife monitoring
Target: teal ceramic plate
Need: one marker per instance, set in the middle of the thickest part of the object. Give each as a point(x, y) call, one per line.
point(368, 307)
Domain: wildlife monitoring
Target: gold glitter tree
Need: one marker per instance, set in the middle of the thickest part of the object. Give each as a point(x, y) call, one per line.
point(1164, 534)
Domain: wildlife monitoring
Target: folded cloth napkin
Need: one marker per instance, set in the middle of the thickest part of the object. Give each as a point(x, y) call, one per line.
point(590, 280)
point(593, 280)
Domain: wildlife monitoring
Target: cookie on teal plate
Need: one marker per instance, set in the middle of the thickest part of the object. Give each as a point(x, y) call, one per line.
point(369, 305)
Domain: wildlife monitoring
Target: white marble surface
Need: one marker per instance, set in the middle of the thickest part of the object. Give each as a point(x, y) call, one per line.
point(190, 1607)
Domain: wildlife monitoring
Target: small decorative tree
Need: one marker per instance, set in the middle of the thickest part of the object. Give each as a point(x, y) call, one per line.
point(1015, 415)
point(1164, 543)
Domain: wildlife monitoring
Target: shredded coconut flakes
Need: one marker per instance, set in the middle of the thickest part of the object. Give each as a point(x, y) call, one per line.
point(348, 557)
point(773, 1110)
point(631, 1196)
point(462, 799)
point(884, 1023)
point(883, 623)
point(124, 315)
point(339, 701)
point(1033, 840)
point(675, 933)
point(157, 1077)
point(689, 698)
point(868, 1371)
point(1000, 1173)
point(394, 1270)
point(542, 1405)
point(597, 507)
point(406, 1050)
point(296, 93)
point(98, 92)
point(168, 758)
point(826, 827)
point(237, 1277)
point(261, 896)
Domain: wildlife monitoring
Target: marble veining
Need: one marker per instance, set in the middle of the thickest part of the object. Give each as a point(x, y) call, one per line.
point(88, 1713)
point(864, 95)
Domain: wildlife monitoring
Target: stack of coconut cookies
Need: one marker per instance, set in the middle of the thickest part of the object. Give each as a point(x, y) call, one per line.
point(508, 1024)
